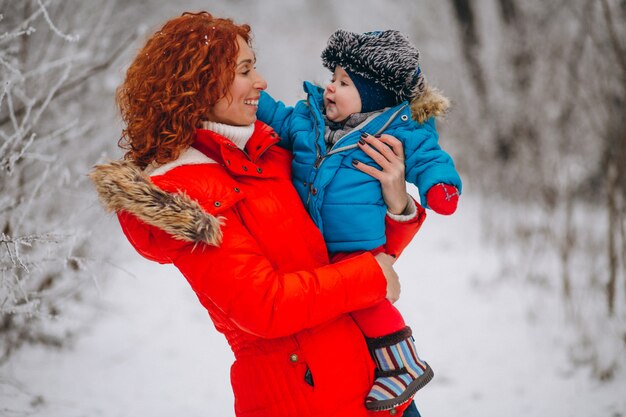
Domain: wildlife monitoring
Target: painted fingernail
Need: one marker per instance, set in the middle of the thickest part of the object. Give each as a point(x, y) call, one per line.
point(355, 162)
point(364, 134)
point(361, 141)
point(377, 136)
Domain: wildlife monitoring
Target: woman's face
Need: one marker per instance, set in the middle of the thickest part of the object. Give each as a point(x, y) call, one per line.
point(240, 104)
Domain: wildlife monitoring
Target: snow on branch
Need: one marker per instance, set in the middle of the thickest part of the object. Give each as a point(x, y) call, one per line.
point(13, 244)
point(47, 144)
point(69, 38)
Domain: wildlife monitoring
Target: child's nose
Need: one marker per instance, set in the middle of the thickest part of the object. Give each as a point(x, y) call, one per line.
point(330, 88)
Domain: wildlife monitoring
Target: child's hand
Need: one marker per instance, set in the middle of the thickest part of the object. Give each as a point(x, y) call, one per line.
point(442, 198)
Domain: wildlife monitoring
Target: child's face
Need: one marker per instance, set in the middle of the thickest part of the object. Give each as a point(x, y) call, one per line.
point(341, 98)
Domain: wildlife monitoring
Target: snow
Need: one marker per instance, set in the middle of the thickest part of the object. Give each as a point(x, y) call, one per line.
point(490, 320)
point(498, 347)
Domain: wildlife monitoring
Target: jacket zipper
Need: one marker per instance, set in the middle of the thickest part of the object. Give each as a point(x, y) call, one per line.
point(320, 159)
point(318, 156)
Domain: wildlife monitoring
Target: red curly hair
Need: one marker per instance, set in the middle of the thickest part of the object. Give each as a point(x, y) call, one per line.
point(181, 72)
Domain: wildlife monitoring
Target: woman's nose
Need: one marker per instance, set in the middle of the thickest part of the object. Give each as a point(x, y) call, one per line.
point(260, 83)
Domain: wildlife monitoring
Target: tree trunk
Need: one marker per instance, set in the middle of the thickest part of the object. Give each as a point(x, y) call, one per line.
point(612, 234)
point(470, 44)
point(616, 170)
point(567, 245)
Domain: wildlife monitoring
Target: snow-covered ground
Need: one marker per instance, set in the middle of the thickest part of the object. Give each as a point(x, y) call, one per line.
point(151, 350)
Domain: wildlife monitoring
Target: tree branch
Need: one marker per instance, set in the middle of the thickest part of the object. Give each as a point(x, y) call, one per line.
point(69, 86)
point(617, 47)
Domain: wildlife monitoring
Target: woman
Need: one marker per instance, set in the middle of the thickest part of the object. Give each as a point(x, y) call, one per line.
point(204, 187)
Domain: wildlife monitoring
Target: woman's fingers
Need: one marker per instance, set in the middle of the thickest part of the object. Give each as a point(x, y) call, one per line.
point(393, 282)
point(395, 145)
point(388, 153)
point(376, 150)
point(381, 146)
point(374, 172)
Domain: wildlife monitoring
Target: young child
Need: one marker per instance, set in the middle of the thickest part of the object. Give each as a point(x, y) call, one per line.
point(377, 87)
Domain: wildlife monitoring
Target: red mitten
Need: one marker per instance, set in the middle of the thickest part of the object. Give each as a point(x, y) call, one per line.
point(442, 198)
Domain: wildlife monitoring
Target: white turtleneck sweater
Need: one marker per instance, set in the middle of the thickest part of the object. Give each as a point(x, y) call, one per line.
point(238, 134)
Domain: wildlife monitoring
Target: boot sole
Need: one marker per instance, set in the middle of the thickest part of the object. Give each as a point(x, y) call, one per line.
point(406, 395)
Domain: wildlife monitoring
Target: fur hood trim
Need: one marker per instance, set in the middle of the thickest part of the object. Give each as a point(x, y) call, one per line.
point(190, 156)
point(430, 103)
point(122, 186)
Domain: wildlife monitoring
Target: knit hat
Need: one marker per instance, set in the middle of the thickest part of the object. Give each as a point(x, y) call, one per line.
point(384, 66)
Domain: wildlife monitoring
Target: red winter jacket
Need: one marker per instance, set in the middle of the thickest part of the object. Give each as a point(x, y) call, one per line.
point(261, 271)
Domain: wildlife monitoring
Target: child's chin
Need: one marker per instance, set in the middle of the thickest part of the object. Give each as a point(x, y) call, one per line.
point(332, 117)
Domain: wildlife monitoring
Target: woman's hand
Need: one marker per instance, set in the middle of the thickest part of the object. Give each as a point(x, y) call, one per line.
point(387, 152)
point(393, 282)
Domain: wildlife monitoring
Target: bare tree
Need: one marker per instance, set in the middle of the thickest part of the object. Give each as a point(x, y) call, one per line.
point(616, 157)
point(53, 55)
point(464, 11)
point(553, 145)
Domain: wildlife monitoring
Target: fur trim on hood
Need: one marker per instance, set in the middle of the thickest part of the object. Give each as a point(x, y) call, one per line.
point(430, 103)
point(122, 186)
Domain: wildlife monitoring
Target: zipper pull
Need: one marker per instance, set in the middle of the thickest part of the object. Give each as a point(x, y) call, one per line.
point(318, 161)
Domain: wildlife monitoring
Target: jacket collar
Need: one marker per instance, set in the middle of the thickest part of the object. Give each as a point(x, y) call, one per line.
point(225, 152)
point(315, 92)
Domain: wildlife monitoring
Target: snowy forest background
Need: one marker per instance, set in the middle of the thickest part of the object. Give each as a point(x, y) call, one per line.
point(538, 132)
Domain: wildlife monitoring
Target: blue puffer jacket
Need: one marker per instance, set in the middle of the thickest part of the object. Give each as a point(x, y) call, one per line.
point(346, 204)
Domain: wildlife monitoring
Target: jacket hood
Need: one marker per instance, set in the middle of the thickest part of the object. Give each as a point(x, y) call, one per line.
point(123, 186)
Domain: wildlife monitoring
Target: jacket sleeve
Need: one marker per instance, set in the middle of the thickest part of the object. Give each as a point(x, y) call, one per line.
point(400, 233)
point(277, 115)
point(269, 303)
point(426, 163)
